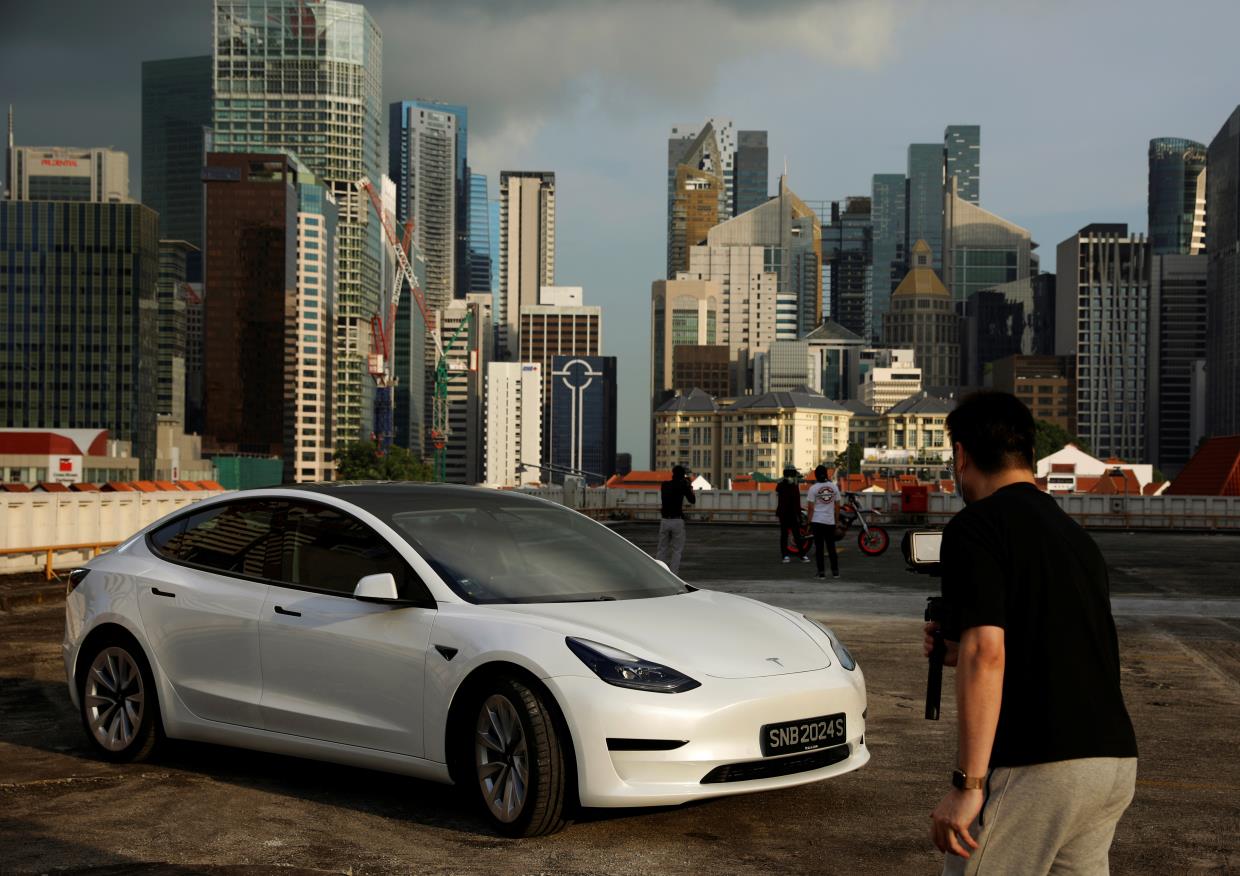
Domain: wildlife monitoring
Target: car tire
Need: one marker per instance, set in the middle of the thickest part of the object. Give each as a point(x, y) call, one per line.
point(517, 761)
point(119, 707)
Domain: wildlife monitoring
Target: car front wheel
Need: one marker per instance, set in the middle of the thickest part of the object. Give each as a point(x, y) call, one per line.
point(519, 761)
point(119, 710)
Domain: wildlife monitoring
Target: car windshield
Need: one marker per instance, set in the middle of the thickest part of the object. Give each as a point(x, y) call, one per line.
point(527, 552)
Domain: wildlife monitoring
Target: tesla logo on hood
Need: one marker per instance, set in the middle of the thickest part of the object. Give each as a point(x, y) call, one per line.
point(774, 660)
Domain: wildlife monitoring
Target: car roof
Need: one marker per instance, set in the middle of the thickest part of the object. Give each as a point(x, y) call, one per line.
point(410, 495)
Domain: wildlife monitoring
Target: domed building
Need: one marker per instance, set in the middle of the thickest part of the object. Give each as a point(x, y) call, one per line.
point(923, 318)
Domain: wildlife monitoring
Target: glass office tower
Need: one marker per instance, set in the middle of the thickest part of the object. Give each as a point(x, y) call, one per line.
point(79, 339)
point(924, 205)
point(481, 268)
point(887, 207)
point(176, 114)
point(1177, 196)
point(750, 171)
point(304, 76)
point(962, 158)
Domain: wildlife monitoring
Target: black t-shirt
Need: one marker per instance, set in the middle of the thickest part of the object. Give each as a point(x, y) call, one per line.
point(788, 500)
point(1015, 560)
point(672, 493)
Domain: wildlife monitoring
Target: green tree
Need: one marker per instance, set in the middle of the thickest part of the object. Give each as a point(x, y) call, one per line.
point(360, 461)
point(850, 459)
point(1051, 438)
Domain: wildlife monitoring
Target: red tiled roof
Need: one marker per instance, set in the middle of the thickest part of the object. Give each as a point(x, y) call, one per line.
point(188, 486)
point(144, 486)
point(15, 488)
point(639, 480)
point(84, 487)
point(116, 487)
point(1214, 470)
point(209, 485)
point(167, 486)
point(51, 487)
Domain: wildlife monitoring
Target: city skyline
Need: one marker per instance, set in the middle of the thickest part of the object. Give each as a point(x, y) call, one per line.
point(599, 120)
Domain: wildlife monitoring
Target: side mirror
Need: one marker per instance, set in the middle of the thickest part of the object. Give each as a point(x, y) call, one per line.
point(666, 567)
point(376, 588)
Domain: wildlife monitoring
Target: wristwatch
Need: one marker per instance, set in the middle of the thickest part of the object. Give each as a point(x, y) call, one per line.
point(967, 783)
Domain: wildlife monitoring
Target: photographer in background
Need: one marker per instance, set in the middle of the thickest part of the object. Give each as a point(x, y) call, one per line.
point(1046, 752)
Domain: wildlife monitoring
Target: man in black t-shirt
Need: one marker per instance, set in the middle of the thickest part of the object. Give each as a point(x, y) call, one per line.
point(672, 496)
point(1046, 751)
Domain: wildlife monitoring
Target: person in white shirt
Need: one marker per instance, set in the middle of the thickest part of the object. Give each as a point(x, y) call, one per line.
point(822, 503)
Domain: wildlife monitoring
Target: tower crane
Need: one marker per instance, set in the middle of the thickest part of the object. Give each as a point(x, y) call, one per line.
point(382, 328)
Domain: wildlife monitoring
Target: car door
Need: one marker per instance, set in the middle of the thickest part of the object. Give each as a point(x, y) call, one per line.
point(201, 606)
point(336, 668)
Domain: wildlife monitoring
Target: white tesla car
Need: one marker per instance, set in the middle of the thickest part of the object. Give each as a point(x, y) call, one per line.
point(456, 634)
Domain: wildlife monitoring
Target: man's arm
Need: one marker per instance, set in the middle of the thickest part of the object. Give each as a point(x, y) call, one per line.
point(979, 693)
point(689, 492)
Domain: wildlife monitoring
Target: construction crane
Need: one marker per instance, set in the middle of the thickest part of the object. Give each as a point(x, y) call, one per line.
point(382, 328)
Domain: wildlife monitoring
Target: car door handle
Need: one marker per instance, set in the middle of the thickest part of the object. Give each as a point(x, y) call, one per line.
point(159, 592)
point(280, 609)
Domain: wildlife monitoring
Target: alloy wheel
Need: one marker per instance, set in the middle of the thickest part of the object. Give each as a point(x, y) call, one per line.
point(115, 698)
point(501, 757)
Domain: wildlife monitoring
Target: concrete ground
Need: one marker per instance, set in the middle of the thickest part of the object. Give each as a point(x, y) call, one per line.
point(201, 808)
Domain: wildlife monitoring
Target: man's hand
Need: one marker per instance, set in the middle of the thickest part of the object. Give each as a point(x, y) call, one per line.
point(951, 819)
point(953, 648)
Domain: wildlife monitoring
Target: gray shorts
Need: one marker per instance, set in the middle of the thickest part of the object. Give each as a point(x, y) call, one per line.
point(1050, 818)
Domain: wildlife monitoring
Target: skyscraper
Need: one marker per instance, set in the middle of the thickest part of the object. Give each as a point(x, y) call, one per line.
point(78, 319)
point(750, 170)
point(681, 312)
point(269, 311)
point(848, 253)
point(695, 196)
point(67, 173)
point(1175, 423)
point(887, 217)
point(1102, 318)
point(513, 423)
point(1223, 278)
point(481, 268)
point(170, 292)
point(304, 76)
point(1177, 196)
point(526, 249)
point(981, 250)
point(423, 164)
point(176, 114)
point(962, 159)
point(708, 146)
point(582, 425)
point(468, 351)
point(924, 200)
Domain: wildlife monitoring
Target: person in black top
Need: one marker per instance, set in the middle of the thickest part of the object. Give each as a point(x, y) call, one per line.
point(672, 495)
point(1043, 730)
point(788, 510)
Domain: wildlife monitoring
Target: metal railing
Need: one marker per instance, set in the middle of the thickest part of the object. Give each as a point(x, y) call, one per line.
point(49, 553)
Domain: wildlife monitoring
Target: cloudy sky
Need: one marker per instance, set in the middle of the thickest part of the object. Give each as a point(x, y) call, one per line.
point(1067, 93)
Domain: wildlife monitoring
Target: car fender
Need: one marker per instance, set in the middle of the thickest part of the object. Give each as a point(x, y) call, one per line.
point(462, 644)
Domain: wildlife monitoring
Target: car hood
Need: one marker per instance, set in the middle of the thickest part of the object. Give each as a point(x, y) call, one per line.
point(701, 632)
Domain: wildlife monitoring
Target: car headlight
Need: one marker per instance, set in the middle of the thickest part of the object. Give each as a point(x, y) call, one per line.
point(624, 670)
point(846, 657)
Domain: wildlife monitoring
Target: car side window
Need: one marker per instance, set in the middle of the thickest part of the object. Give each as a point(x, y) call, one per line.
point(235, 538)
point(326, 549)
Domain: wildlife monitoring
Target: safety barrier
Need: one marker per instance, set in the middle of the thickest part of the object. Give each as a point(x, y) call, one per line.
point(46, 531)
point(1181, 513)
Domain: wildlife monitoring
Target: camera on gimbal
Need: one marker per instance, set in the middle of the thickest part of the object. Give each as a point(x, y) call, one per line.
point(921, 553)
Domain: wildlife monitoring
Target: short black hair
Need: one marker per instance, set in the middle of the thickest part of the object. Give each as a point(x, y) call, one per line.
point(821, 472)
point(996, 429)
point(678, 471)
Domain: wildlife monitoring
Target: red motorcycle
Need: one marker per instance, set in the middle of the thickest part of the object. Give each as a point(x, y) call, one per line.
point(872, 539)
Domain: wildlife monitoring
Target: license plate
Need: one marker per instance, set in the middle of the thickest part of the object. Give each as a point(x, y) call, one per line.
point(808, 734)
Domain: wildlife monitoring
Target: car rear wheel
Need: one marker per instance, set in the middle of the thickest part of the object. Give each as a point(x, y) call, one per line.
point(119, 710)
point(519, 761)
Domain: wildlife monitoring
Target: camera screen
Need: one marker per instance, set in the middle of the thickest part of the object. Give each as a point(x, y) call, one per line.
point(924, 548)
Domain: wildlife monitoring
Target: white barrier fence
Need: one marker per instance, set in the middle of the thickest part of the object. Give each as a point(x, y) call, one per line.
point(1198, 513)
point(66, 529)
point(31, 523)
